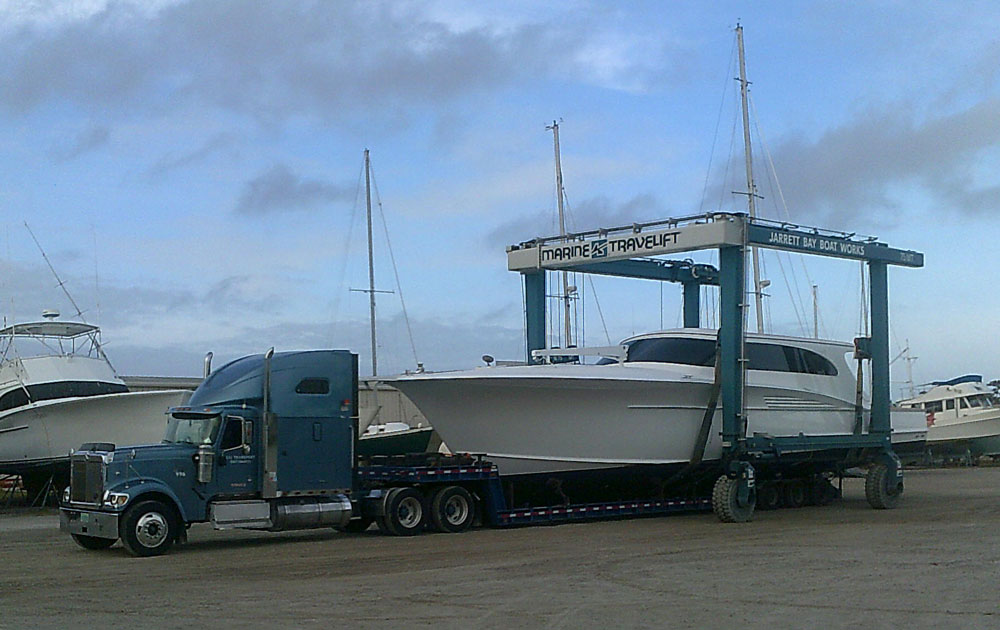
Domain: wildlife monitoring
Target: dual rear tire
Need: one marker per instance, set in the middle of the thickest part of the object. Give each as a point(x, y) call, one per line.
point(407, 511)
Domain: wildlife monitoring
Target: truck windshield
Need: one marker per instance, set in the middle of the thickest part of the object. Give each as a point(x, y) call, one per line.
point(200, 430)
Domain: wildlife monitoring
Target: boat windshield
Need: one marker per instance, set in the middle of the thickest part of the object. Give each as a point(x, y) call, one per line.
point(200, 430)
point(701, 352)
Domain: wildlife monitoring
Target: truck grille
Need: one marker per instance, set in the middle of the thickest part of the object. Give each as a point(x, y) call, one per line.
point(86, 479)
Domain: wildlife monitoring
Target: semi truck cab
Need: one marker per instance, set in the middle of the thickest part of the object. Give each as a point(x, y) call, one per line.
point(266, 442)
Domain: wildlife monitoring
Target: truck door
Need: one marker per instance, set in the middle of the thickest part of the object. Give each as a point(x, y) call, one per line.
point(236, 464)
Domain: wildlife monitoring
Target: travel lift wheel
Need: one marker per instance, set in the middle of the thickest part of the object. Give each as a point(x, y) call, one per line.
point(452, 509)
point(734, 498)
point(404, 512)
point(884, 484)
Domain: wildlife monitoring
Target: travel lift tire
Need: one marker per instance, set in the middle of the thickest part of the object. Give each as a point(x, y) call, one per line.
point(404, 512)
point(149, 528)
point(883, 488)
point(453, 509)
point(730, 502)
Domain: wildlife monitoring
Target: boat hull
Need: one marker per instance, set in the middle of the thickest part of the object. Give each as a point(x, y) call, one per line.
point(977, 434)
point(39, 434)
point(559, 424)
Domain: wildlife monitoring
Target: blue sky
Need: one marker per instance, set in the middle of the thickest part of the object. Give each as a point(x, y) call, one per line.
point(192, 168)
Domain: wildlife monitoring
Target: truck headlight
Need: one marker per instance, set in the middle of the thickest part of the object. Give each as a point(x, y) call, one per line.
point(65, 497)
point(115, 499)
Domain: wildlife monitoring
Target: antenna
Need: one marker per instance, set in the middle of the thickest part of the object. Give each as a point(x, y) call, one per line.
point(62, 285)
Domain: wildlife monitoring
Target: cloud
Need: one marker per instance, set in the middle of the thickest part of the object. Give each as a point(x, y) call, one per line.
point(590, 214)
point(858, 173)
point(278, 189)
point(214, 144)
point(87, 140)
point(273, 61)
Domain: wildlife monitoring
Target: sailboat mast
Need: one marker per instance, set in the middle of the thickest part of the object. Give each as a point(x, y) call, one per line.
point(562, 231)
point(371, 263)
point(751, 188)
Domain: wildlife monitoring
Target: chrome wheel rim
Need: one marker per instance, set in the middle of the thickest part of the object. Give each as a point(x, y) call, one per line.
point(151, 529)
point(409, 512)
point(456, 510)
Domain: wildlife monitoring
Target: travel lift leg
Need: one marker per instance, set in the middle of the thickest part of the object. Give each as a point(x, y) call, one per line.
point(735, 493)
point(884, 483)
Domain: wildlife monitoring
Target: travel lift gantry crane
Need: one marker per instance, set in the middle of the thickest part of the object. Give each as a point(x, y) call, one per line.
point(625, 251)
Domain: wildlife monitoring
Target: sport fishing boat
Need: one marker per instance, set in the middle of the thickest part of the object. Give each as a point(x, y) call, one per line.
point(644, 406)
point(962, 416)
point(58, 390)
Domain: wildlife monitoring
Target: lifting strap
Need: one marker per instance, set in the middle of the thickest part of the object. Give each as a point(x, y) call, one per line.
point(698, 454)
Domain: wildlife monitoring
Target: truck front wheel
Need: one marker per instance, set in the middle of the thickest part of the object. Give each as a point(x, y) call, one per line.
point(93, 542)
point(149, 528)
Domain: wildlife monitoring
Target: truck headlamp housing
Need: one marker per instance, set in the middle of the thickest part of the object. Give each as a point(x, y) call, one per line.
point(115, 499)
point(65, 495)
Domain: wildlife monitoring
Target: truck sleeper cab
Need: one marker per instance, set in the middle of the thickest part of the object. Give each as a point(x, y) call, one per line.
point(266, 442)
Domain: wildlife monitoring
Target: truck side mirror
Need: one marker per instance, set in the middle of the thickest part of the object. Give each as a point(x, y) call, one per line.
point(247, 436)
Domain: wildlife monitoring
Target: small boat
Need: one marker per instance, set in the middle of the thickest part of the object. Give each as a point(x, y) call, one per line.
point(962, 416)
point(58, 390)
point(642, 407)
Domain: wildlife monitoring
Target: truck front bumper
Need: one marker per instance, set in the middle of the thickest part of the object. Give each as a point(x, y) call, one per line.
point(88, 522)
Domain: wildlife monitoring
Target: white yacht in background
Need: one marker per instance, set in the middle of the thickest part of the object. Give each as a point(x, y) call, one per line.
point(644, 407)
point(58, 390)
point(962, 416)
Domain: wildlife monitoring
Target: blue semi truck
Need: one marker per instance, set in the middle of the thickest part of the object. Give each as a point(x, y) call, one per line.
point(269, 442)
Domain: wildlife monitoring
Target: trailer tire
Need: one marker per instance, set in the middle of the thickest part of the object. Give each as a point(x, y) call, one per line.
point(149, 528)
point(453, 509)
point(882, 493)
point(821, 491)
point(768, 496)
point(405, 512)
point(93, 543)
point(795, 493)
point(726, 503)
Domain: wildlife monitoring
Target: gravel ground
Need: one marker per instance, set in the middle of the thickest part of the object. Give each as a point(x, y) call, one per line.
point(931, 563)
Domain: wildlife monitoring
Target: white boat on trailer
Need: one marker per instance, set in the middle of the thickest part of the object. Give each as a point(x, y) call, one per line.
point(962, 416)
point(58, 390)
point(643, 404)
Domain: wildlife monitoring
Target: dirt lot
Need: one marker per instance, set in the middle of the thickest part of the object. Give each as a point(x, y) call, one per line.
point(931, 563)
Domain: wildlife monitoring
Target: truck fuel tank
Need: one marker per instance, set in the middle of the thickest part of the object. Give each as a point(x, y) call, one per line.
point(282, 514)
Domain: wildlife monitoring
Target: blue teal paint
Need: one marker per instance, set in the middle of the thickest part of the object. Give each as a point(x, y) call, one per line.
point(534, 311)
point(879, 295)
point(732, 270)
point(692, 296)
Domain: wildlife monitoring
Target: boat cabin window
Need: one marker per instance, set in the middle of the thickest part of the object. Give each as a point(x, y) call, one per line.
point(964, 402)
point(701, 352)
point(934, 406)
point(949, 404)
point(59, 389)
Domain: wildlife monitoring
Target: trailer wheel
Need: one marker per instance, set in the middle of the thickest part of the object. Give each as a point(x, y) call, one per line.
point(795, 493)
point(452, 509)
point(149, 528)
point(769, 496)
point(726, 501)
point(93, 542)
point(405, 512)
point(821, 491)
point(882, 492)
